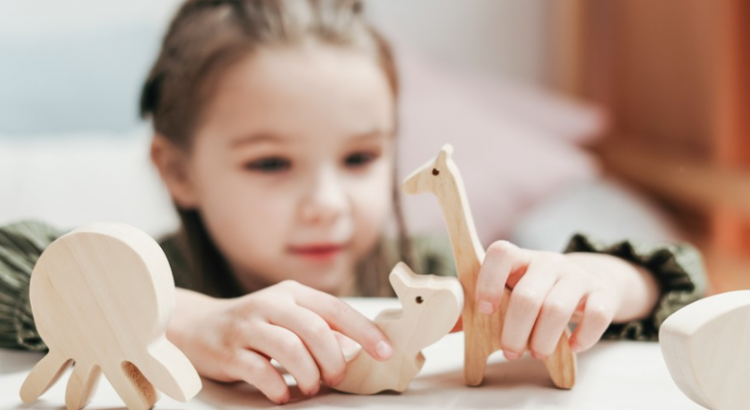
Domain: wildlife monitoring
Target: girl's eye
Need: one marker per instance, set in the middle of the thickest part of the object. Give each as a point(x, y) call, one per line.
point(360, 159)
point(269, 165)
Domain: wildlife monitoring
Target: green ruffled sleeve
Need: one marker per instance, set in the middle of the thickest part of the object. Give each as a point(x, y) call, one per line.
point(678, 269)
point(21, 244)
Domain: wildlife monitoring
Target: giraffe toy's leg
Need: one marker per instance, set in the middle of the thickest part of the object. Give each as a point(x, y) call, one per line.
point(475, 354)
point(561, 365)
point(44, 375)
point(81, 385)
point(132, 387)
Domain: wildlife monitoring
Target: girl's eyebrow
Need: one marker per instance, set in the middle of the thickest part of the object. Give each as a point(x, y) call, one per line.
point(257, 138)
point(372, 134)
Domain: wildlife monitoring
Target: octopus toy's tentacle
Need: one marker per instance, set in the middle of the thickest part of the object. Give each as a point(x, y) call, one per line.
point(44, 375)
point(171, 371)
point(131, 386)
point(81, 385)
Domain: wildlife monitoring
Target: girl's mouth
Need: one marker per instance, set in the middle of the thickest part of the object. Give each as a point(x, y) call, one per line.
point(317, 252)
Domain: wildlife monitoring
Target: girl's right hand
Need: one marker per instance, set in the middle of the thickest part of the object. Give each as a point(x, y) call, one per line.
point(235, 339)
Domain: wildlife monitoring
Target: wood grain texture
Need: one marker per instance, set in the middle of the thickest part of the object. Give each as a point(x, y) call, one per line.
point(101, 297)
point(431, 305)
point(705, 345)
point(482, 333)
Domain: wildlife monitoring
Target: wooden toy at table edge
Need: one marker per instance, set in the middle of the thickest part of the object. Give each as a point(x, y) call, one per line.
point(101, 297)
point(431, 305)
point(441, 177)
point(705, 346)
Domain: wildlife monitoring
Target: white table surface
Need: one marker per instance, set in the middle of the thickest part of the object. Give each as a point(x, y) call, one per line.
point(612, 375)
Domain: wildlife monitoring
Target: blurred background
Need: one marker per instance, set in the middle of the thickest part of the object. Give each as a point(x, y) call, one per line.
point(618, 118)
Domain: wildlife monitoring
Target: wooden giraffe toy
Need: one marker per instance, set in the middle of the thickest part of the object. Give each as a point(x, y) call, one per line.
point(431, 306)
point(482, 333)
point(101, 297)
point(705, 346)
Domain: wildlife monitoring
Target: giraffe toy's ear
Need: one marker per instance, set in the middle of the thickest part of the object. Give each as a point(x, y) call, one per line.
point(445, 154)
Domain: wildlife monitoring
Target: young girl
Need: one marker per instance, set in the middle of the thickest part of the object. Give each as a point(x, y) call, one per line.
point(275, 126)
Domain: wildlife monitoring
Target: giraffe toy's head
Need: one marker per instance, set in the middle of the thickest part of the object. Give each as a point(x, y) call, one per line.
point(426, 177)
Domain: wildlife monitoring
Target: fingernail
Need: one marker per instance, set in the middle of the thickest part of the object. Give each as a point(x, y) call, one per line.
point(384, 350)
point(485, 307)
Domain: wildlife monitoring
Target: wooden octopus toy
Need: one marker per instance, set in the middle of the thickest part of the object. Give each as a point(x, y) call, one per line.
point(431, 307)
point(482, 333)
point(101, 297)
point(705, 345)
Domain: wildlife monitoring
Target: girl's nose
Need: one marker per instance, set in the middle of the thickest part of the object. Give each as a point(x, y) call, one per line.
point(326, 199)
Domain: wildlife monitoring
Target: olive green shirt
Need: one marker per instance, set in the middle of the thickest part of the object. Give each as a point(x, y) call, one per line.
point(677, 268)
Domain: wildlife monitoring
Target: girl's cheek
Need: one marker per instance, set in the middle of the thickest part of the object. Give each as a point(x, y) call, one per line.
point(373, 196)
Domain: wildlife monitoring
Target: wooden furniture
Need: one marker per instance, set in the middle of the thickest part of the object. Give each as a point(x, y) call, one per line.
point(101, 297)
point(673, 77)
point(440, 176)
point(705, 348)
point(431, 305)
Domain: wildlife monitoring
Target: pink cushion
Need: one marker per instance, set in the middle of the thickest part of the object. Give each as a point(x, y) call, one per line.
point(514, 146)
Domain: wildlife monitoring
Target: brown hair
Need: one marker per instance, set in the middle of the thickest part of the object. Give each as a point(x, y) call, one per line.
point(206, 37)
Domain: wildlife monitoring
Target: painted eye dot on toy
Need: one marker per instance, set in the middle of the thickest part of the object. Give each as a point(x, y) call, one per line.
point(102, 296)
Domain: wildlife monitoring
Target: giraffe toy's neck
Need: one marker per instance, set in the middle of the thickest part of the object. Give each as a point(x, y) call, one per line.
point(451, 195)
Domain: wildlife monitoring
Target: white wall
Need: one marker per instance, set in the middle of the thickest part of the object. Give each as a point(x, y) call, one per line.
point(507, 38)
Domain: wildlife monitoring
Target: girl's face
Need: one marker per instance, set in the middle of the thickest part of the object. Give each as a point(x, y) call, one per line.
point(291, 166)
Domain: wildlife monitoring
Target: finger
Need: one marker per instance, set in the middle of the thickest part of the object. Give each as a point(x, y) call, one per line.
point(343, 318)
point(501, 260)
point(598, 312)
point(257, 370)
point(555, 315)
point(349, 347)
point(524, 307)
point(287, 348)
point(319, 339)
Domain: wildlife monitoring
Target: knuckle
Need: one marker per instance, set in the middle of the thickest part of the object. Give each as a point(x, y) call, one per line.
point(598, 315)
point(289, 284)
point(501, 248)
point(490, 292)
point(340, 309)
point(318, 328)
point(555, 259)
point(555, 310)
point(541, 347)
point(289, 346)
point(256, 369)
point(527, 298)
point(235, 332)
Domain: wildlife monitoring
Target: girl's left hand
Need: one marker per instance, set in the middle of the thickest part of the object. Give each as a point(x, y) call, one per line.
point(549, 290)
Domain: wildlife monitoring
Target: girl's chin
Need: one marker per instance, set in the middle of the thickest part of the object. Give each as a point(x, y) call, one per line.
point(336, 280)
